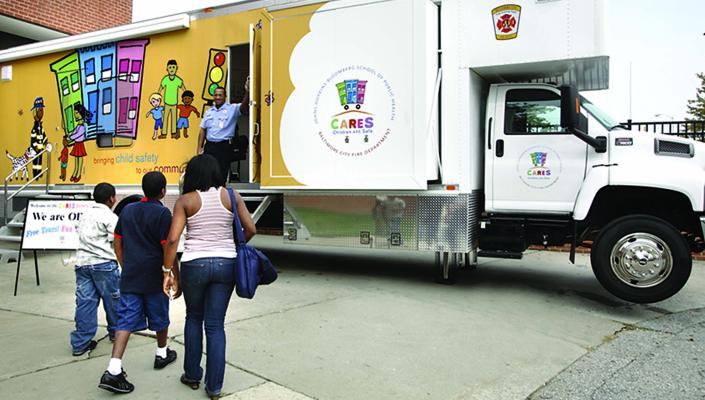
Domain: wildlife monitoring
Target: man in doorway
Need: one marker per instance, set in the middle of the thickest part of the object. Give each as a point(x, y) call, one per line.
point(169, 87)
point(218, 128)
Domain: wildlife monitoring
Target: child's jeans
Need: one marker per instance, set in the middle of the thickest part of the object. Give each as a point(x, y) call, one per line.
point(93, 283)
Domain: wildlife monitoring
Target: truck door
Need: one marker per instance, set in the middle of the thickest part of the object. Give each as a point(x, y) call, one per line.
point(254, 154)
point(536, 166)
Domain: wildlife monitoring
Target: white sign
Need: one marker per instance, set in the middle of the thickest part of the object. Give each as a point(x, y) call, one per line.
point(51, 224)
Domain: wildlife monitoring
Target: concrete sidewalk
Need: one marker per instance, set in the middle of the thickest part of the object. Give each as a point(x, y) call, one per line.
point(342, 324)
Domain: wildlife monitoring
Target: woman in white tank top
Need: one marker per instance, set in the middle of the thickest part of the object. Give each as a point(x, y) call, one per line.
point(207, 275)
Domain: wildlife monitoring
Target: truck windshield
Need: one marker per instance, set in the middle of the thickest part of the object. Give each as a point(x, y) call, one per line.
point(604, 119)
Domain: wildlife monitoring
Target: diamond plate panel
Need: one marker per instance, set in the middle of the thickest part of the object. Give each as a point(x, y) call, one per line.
point(423, 222)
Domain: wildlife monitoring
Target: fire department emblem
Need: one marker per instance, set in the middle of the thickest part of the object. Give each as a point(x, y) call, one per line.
point(506, 21)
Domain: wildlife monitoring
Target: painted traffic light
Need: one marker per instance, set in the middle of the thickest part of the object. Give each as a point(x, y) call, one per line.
point(216, 73)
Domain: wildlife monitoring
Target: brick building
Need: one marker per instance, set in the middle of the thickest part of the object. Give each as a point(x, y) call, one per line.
point(23, 21)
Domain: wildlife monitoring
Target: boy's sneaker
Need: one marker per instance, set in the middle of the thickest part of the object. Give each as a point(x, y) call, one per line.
point(161, 362)
point(116, 383)
point(90, 346)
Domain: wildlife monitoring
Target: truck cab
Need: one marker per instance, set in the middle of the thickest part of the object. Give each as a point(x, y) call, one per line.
point(559, 170)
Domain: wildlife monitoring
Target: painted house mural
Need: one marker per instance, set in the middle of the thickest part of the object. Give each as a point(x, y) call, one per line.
point(130, 59)
point(106, 79)
point(98, 87)
point(68, 81)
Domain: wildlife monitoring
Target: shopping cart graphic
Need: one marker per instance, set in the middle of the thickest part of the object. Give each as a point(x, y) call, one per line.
point(351, 92)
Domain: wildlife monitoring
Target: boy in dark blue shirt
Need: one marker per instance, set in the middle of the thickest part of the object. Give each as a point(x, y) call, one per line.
point(140, 235)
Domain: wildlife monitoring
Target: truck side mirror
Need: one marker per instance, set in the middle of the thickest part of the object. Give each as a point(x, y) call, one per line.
point(582, 123)
point(575, 122)
point(570, 108)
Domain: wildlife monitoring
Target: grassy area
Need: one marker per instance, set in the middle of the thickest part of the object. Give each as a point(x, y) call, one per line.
point(332, 224)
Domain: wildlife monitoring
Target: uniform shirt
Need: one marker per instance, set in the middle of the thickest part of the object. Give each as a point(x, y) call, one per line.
point(143, 228)
point(95, 235)
point(219, 122)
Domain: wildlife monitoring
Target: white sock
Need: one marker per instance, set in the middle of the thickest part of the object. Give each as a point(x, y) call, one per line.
point(115, 366)
point(161, 352)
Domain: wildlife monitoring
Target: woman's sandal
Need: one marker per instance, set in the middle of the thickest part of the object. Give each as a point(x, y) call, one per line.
point(192, 384)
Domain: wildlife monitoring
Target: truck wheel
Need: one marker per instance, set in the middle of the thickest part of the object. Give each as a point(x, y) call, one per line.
point(640, 258)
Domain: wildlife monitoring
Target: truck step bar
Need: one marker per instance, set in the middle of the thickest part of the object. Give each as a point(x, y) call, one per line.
point(500, 254)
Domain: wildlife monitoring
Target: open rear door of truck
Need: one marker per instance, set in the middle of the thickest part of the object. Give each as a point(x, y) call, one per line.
point(344, 93)
point(253, 149)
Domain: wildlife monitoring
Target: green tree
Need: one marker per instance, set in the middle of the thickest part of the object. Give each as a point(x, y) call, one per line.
point(696, 107)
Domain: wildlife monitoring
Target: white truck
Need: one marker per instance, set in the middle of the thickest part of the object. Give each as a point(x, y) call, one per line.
point(454, 127)
point(516, 157)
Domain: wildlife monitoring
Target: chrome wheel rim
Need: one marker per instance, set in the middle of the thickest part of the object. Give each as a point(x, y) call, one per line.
point(641, 260)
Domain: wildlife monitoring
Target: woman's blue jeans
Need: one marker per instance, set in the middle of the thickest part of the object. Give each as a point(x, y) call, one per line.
point(207, 284)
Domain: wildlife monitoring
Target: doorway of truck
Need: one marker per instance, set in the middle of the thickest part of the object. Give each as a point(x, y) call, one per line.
point(536, 165)
point(238, 71)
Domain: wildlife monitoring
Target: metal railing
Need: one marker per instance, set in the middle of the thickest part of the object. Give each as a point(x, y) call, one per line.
point(688, 129)
point(47, 150)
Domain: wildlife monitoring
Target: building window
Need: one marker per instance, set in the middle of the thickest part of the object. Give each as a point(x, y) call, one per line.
point(89, 69)
point(106, 63)
point(65, 86)
point(532, 111)
point(93, 106)
point(122, 110)
point(133, 108)
point(122, 69)
point(75, 85)
point(135, 71)
point(107, 100)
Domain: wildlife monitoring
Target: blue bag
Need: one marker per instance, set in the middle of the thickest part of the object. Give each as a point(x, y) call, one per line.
point(252, 267)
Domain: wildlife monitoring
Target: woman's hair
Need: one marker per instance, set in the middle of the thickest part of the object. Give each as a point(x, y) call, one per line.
point(202, 173)
point(85, 114)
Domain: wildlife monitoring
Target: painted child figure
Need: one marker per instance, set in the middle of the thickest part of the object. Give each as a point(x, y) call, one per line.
point(185, 111)
point(64, 158)
point(157, 110)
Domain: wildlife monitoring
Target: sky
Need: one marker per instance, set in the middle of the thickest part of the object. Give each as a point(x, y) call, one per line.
point(662, 41)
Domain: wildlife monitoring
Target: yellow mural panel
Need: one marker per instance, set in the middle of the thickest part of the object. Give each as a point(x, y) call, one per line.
point(114, 134)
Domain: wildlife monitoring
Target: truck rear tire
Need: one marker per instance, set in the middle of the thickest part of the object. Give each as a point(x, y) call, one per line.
point(640, 258)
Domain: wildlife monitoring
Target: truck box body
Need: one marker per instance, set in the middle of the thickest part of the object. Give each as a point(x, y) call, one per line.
point(344, 92)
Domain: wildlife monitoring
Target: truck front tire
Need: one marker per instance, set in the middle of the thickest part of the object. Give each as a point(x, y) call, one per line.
point(640, 258)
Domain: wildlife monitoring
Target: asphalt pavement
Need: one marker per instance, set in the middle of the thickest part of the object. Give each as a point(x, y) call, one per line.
point(355, 324)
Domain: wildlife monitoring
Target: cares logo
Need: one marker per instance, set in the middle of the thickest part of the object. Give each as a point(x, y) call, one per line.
point(539, 168)
point(349, 121)
point(351, 94)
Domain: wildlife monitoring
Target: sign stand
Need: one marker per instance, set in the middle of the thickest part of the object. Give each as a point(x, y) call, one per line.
point(49, 225)
point(36, 267)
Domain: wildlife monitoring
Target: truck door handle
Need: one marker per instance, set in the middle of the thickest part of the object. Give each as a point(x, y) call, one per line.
point(489, 134)
point(499, 148)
